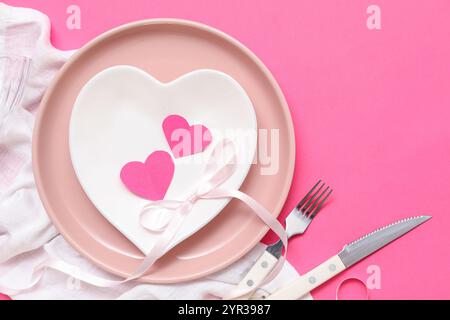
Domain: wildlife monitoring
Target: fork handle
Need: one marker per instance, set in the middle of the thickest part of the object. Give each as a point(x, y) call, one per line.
point(309, 281)
point(256, 275)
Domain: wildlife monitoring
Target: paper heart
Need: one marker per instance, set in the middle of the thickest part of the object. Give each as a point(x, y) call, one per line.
point(151, 179)
point(185, 139)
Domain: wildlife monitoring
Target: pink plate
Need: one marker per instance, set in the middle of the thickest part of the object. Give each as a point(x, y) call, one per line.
point(166, 49)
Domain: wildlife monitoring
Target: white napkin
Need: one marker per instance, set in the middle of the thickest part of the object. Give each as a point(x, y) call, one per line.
point(27, 237)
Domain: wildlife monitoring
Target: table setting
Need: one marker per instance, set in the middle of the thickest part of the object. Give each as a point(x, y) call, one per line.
point(163, 159)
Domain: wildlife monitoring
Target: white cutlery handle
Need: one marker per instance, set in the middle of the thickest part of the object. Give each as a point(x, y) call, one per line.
point(256, 275)
point(314, 278)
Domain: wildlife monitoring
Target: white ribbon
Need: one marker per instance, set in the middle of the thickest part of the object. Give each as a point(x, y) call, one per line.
point(210, 187)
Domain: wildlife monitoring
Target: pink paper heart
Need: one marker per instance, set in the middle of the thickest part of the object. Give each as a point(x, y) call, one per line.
point(151, 179)
point(185, 139)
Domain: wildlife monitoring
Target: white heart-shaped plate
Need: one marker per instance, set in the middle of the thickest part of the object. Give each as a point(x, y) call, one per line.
point(117, 118)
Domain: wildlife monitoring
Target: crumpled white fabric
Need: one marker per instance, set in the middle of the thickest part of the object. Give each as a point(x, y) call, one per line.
point(27, 237)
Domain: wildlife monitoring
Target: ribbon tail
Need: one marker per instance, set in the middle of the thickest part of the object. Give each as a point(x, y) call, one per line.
point(35, 278)
point(160, 246)
point(63, 267)
point(267, 218)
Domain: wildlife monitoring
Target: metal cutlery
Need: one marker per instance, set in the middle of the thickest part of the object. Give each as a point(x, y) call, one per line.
point(297, 222)
point(351, 254)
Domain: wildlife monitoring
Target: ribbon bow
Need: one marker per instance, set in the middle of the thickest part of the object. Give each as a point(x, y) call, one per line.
point(217, 171)
point(154, 216)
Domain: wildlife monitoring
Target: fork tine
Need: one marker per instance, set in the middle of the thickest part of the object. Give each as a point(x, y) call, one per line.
point(309, 209)
point(302, 202)
point(319, 206)
point(311, 199)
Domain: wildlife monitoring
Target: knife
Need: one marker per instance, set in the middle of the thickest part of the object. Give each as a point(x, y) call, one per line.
point(351, 254)
point(297, 222)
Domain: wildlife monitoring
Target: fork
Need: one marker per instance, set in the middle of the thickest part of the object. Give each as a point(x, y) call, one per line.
point(297, 222)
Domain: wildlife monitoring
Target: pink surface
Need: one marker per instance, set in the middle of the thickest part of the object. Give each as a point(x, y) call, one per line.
point(4, 297)
point(370, 110)
point(150, 179)
point(185, 139)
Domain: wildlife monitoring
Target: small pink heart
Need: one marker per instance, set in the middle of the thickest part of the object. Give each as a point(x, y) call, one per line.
point(185, 139)
point(151, 179)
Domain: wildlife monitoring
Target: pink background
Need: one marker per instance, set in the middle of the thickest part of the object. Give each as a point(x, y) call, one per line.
point(371, 111)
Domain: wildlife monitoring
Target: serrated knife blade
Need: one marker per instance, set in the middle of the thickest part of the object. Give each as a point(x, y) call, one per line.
point(351, 254)
point(368, 244)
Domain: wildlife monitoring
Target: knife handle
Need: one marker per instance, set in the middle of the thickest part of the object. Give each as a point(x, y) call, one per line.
point(309, 281)
point(256, 275)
